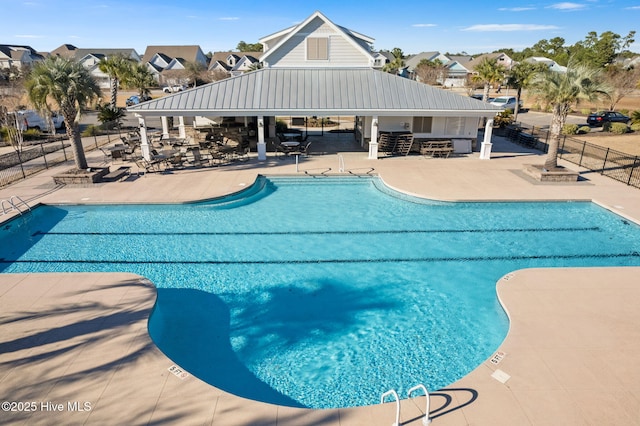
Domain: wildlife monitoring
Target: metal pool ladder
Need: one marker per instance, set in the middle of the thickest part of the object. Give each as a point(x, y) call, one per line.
point(426, 420)
point(14, 202)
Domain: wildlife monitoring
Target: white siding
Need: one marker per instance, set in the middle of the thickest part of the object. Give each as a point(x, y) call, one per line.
point(342, 53)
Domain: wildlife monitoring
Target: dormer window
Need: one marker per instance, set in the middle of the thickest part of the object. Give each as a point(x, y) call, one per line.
point(317, 48)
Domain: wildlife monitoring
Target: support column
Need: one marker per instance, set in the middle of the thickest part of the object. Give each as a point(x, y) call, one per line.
point(262, 147)
point(165, 127)
point(144, 140)
point(181, 130)
point(373, 144)
point(485, 147)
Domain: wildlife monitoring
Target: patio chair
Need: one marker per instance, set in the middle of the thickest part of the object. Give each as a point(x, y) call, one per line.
point(282, 150)
point(175, 161)
point(217, 157)
point(107, 155)
point(149, 166)
point(305, 150)
point(194, 157)
point(242, 150)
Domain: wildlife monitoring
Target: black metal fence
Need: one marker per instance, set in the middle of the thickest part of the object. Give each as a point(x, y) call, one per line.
point(36, 156)
point(33, 158)
point(606, 161)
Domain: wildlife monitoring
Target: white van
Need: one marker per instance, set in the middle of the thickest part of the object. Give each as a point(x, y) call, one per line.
point(31, 119)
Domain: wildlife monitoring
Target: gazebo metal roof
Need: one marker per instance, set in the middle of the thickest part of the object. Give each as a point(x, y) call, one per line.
point(318, 92)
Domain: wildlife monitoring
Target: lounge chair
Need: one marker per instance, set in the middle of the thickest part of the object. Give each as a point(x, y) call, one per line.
point(149, 166)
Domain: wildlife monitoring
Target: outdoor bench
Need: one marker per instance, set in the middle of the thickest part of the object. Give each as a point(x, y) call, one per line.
point(116, 174)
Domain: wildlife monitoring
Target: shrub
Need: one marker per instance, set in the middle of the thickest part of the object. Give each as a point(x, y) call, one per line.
point(635, 126)
point(4, 134)
point(92, 130)
point(31, 134)
point(503, 119)
point(585, 111)
point(635, 116)
point(617, 128)
point(570, 129)
point(624, 111)
point(584, 129)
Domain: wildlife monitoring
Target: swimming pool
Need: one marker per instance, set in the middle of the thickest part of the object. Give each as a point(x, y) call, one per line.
point(322, 292)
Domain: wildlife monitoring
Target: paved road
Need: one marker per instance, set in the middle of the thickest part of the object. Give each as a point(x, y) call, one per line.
point(543, 119)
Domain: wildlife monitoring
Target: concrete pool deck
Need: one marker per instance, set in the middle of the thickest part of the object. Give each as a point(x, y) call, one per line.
point(570, 356)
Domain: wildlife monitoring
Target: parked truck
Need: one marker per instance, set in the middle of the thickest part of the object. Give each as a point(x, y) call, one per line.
point(31, 119)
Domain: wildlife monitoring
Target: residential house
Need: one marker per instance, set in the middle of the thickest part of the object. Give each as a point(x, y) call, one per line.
point(414, 60)
point(380, 59)
point(167, 63)
point(90, 58)
point(18, 56)
point(550, 63)
point(318, 68)
point(233, 63)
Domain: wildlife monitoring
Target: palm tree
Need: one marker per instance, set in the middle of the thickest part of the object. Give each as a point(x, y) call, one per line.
point(71, 87)
point(519, 77)
point(140, 78)
point(118, 68)
point(561, 90)
point(488, 72)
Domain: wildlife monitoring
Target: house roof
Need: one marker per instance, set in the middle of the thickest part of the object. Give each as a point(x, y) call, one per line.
point(189, 53)
point(316, 91)
point(18, 52)
point(356, 39)
point(78, 54)
point(414, 60)
point(471, 65)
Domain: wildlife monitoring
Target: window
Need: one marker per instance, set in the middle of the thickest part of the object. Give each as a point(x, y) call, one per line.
point(454, 126)
point(317, 48)
point(422, 124)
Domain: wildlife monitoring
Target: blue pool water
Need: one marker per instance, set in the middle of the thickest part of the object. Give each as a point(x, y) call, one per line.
point(322, 292)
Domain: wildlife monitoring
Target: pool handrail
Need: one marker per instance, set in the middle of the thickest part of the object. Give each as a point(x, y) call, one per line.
point(426, 419)
point(13, 205)
point(395, 395)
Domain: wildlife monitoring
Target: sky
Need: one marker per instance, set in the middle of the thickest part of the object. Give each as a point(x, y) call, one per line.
point(451, 26)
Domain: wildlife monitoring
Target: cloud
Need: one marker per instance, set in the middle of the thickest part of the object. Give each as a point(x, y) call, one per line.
point(509, 27)
point(424, 25)
point(632, 8)
point(28, 36)
point(229, 18)
point(567, 6)
point(515, 9)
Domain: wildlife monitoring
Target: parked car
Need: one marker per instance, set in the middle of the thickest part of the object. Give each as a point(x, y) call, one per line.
point(597, 119)
point(135, 100)
point(31, 119)
point(507, 102)
point(174, 89)
point(479, 97)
